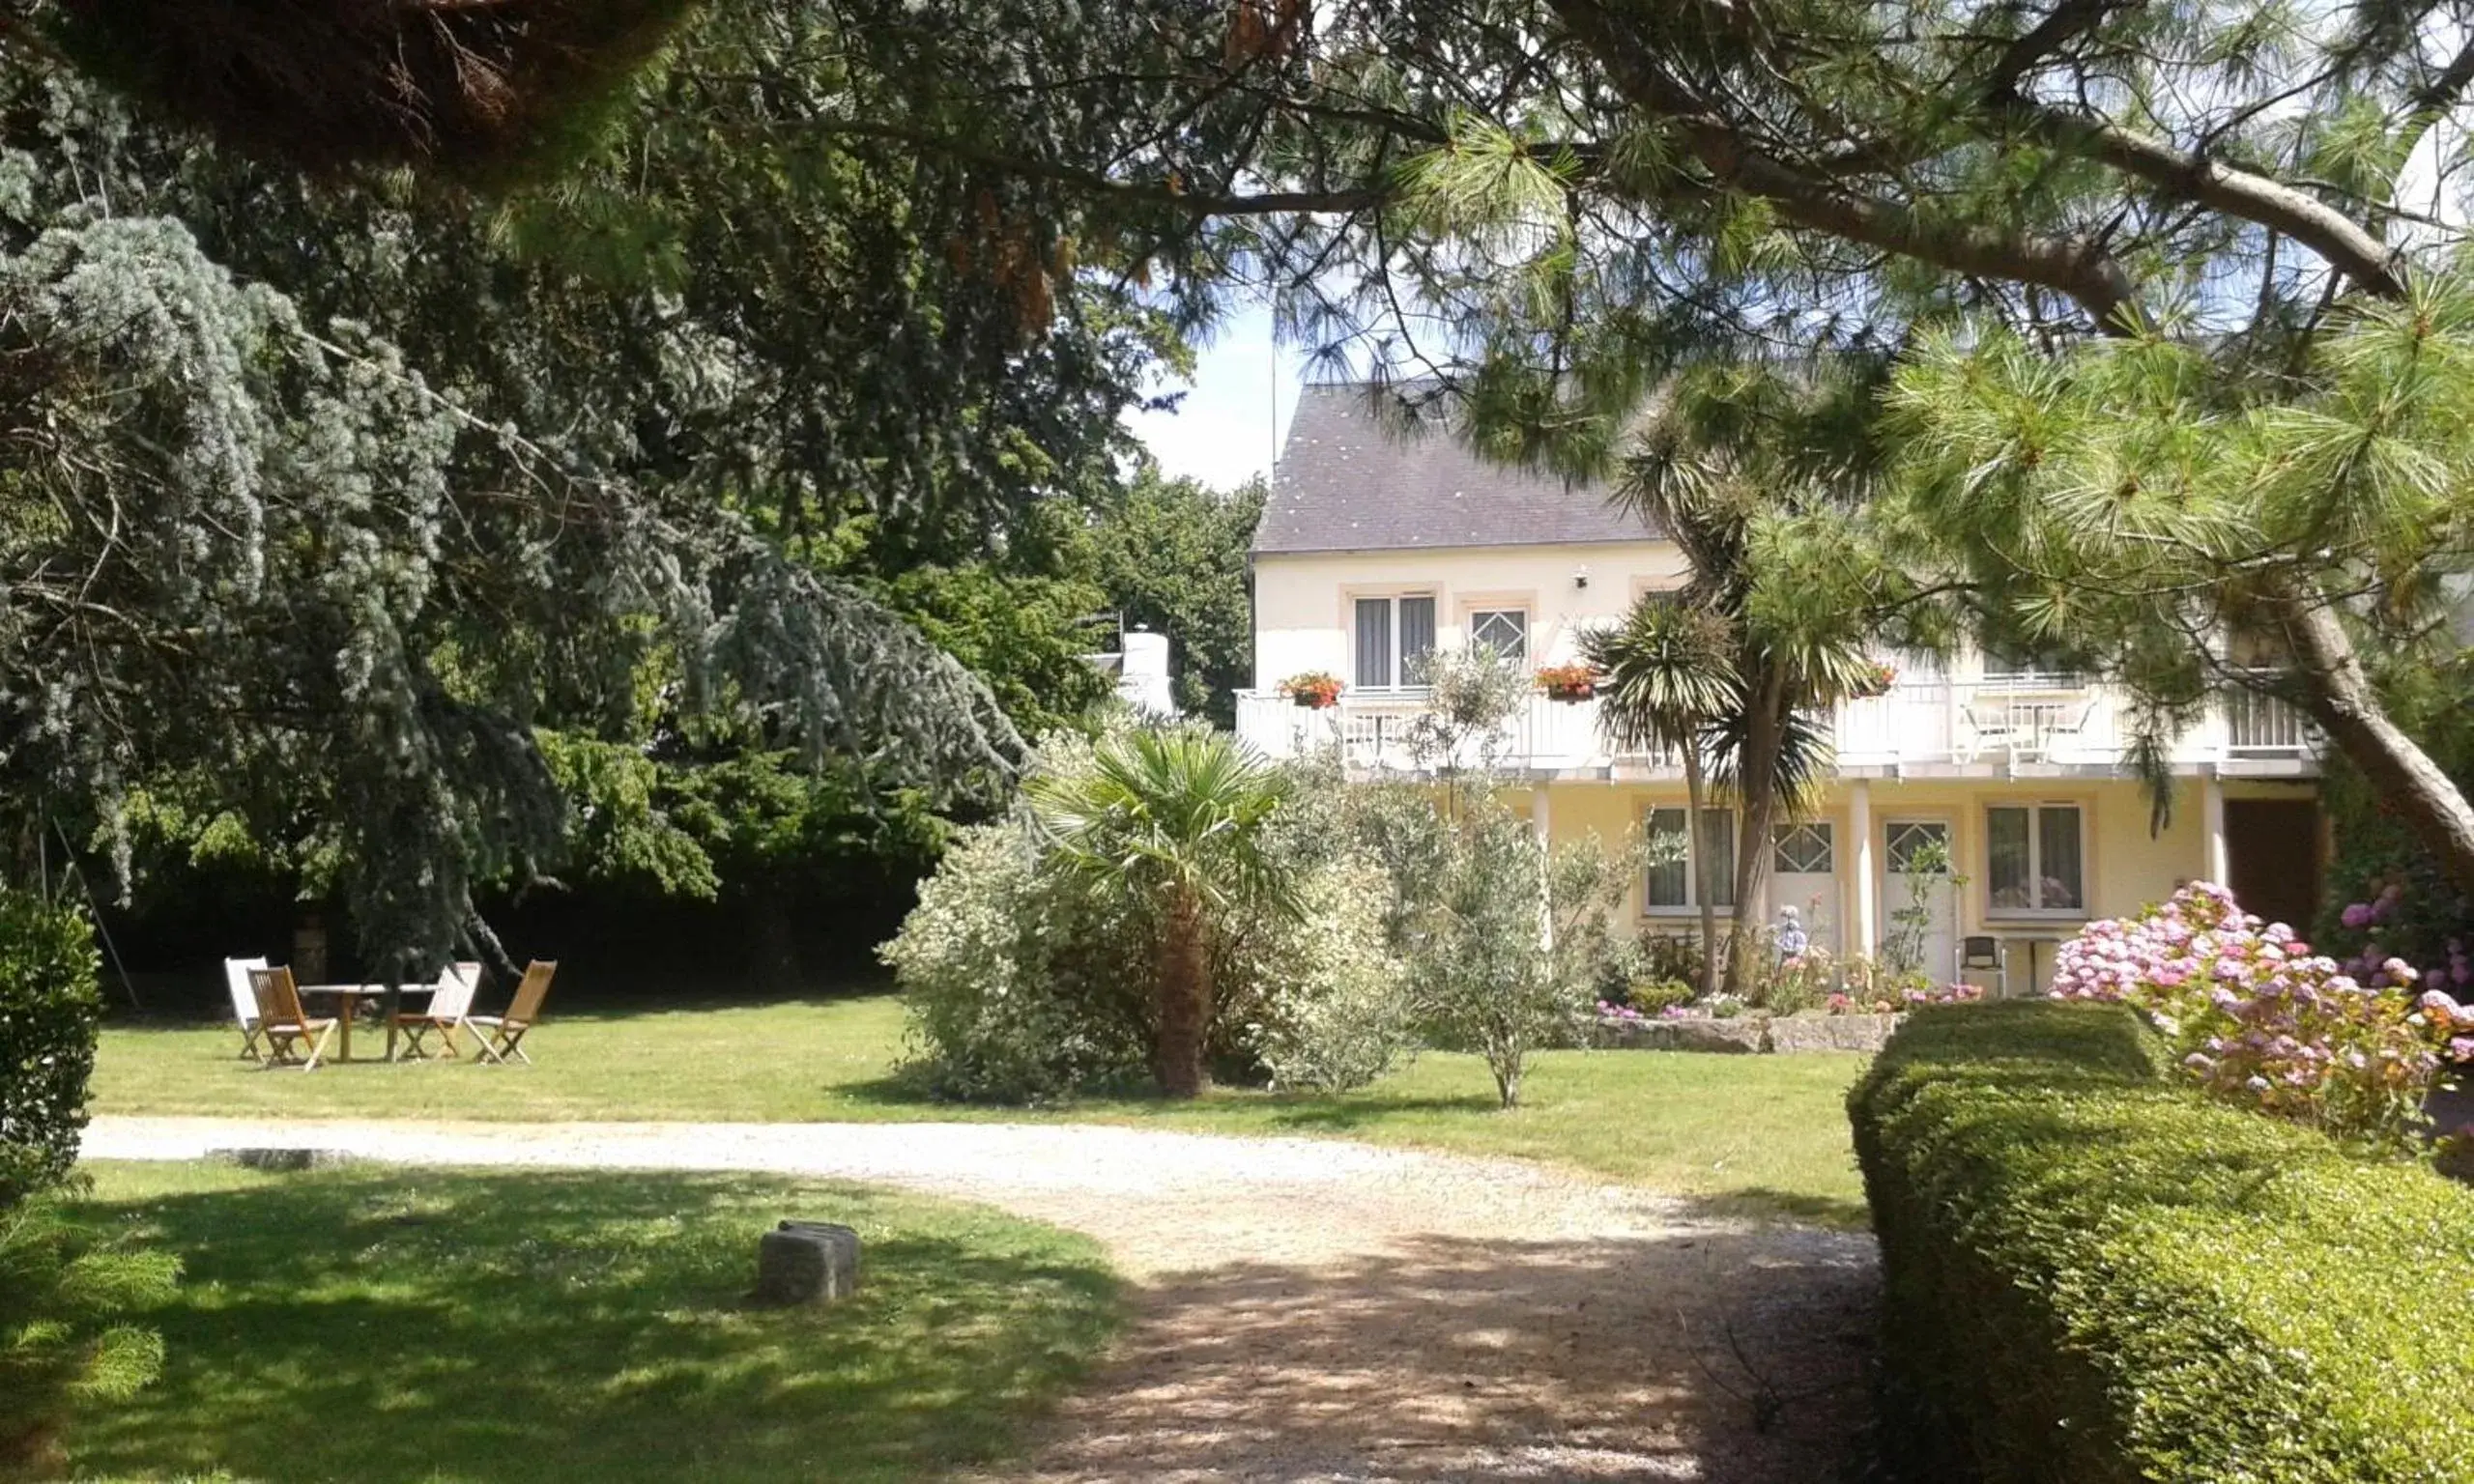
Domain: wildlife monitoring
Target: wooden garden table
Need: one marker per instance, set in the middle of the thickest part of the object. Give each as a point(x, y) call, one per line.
point(348, 999)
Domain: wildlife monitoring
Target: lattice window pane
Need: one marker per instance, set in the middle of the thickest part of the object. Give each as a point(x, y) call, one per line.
point(1911, 839)
point(1504, 630)
point(1803, 849)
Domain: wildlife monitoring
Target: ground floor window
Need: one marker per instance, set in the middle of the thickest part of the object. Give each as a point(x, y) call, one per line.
point(1671, 882)
point(2034, 855)
point(1802, 850)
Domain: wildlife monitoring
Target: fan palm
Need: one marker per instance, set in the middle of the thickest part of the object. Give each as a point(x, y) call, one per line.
point(1667, 679)
point(1175, 818)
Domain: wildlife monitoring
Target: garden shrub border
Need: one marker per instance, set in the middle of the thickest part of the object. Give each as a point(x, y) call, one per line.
point(2093, 1274)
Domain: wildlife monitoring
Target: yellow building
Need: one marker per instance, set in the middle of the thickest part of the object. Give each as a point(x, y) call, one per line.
point(1375, 551)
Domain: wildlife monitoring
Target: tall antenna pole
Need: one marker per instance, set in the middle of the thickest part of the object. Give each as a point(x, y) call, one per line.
point(1274, 317)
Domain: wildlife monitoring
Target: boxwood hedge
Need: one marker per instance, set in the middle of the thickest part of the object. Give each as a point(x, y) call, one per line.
point(2094, 1275)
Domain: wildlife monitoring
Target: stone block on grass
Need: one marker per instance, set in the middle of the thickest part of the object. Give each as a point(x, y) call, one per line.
point(806, 1262)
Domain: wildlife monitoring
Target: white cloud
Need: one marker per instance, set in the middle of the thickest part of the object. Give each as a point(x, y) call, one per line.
point(1224, 430)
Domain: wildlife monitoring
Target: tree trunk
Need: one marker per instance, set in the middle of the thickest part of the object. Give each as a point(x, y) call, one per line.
point(1507, 1070)
point(1757, 796)
point(1183, 1008)
point(2340, 697)
point(1695, 801)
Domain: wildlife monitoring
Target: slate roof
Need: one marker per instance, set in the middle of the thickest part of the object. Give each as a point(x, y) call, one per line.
point(1347, 484)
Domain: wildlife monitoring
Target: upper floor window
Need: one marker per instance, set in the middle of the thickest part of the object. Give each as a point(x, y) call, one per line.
point(1395, 636)
point(1504, 630)
point(2033, 859)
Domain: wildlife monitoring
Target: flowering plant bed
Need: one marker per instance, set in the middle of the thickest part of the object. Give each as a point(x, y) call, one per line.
point(1315, 690)
point(2258, 1019)
point(1568, 682)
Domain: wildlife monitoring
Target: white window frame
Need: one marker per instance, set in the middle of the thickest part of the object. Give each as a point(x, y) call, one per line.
point(2034, 809)
point(1399, 683)
point(1691, 904)
point(1491, 610)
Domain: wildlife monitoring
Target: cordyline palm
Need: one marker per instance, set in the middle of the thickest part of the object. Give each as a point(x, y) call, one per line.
point(1710, 469)
point(1175, 818)
point(1667, 678)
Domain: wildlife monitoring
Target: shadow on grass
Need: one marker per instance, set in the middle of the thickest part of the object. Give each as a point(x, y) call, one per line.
point(1337, 1116)
point(1767, 1202)
point(201, 1001)
point(416, 1324)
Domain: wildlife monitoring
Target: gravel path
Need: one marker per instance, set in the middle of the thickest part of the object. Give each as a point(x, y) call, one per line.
point(1317, 1310)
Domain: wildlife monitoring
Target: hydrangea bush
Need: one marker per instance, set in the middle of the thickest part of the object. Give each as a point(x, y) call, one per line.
point(2259, 1018)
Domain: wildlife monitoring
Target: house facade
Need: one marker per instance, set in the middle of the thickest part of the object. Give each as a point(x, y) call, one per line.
point(1375, 551)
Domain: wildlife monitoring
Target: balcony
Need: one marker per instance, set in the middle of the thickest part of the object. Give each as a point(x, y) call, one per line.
point(2016, 724)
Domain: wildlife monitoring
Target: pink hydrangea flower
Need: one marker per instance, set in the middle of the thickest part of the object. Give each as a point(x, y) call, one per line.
point(2258, 1019)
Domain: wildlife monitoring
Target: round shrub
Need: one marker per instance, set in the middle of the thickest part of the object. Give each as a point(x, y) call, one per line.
point(48, 1009)
point(1329, 1010)
point(1019, 986)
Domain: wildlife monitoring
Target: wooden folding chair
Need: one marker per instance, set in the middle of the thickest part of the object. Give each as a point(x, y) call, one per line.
point(245, 1002)
point(498, 1036)
point(285, 1025)
point(447, 1008)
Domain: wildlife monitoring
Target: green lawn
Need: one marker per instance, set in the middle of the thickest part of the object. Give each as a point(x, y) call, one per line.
point(1764, 1134)
point(424, 1325)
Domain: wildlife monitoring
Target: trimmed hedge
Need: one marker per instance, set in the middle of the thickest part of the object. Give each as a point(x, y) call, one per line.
point(2094, 1275)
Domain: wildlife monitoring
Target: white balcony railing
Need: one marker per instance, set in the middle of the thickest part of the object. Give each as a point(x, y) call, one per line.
point(2030, 720)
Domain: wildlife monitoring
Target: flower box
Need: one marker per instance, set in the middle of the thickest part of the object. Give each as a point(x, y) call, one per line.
point(1315, 690)
point(1568, 682)
point(1877, 680)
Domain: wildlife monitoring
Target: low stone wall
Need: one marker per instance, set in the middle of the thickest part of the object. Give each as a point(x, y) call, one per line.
point(1749, 1034)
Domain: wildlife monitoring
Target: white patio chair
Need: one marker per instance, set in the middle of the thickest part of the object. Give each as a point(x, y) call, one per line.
point(1989, 726)
point(449, 1006)
point(245, 1002)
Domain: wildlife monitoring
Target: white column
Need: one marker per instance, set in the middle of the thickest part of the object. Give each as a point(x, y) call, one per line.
point(1859, 824)
point(1542, 821)
point(2212, 821)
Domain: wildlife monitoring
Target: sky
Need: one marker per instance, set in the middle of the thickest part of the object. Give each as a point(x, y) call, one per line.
point(1222, 432)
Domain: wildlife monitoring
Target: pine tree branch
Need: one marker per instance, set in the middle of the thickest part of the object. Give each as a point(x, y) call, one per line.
point(2061, 23)
point(1200, 203)
point(2080, 269)
point(2181, 174)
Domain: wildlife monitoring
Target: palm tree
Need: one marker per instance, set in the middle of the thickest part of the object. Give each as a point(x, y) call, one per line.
point(1174, 818)
point(1712, 469)
point(1668, 679)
